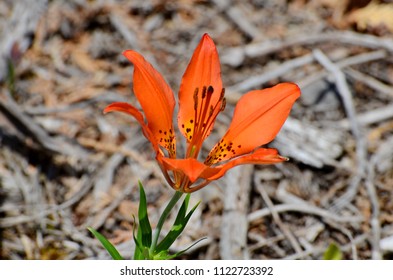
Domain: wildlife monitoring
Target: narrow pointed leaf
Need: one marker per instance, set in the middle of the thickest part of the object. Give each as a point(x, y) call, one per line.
point(141, 252)
point(107, 245)
point(169, 257)
point(144, 224)
point(178, 226)
point(137, 240)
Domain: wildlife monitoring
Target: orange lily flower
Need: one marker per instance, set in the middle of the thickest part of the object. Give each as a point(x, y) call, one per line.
point(258, 117)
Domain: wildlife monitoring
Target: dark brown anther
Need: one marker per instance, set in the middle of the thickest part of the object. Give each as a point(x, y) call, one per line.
point(222, 93)
point(223, 104)
point(195, 96)
point(210, 90)
point(203, 92)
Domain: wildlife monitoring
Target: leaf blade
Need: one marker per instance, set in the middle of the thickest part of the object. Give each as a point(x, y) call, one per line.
point(143, 218)
point(178, 226)
point(107, 245)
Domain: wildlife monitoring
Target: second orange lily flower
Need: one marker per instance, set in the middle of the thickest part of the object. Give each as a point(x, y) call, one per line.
point(258, 117)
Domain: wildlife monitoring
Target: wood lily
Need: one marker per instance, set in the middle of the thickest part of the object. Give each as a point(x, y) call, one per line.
point(257, 118)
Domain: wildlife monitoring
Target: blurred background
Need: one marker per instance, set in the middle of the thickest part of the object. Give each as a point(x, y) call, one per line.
point(65, 166)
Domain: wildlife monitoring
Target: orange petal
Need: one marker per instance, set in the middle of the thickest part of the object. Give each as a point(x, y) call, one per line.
point(258, 117)
point(190, 167)
point(131, 110)
point(195, 170)
point(156, 98)
point(202, 72)
point(259, 156)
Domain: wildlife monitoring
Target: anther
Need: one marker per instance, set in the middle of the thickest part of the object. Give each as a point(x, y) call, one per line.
point(195, 96)
point(222, 93)
point(223, 104)
point(210, 90)
point(203, 92)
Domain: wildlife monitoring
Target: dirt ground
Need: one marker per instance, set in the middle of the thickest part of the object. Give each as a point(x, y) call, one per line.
point(65, 166)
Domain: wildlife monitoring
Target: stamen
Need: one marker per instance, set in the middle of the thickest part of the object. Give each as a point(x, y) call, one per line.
point(214, 112)
point(210, 90)
point(222, 93)
point(223, 104)
point(196, 99)
point(200, 119)
point(203, 92)
point(205, 113)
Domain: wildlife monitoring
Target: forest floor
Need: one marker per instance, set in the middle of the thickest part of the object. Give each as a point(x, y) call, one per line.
point(65, 166)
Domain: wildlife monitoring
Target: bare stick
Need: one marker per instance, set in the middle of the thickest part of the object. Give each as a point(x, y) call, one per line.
point(319, 251)
point(235, 15)
point(287, 233)
point(104, 214)
point(127, 34)
point(344, 63)
point(233, 91)
point(361, 147)
point(29, 127)
point(340, 37)
point(372, 116)
point(304, 208)
point(370, 81)
point(234, 224)
point(382, 151)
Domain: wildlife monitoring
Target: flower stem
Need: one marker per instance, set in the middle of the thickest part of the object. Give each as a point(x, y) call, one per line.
point(162, 219)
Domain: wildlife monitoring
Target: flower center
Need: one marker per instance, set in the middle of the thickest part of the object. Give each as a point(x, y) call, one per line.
point(205, 113)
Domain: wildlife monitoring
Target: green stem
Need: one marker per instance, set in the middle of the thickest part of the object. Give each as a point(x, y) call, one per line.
point(162, 219)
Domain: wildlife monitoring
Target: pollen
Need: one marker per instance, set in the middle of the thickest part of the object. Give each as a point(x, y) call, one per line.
point(221, 151)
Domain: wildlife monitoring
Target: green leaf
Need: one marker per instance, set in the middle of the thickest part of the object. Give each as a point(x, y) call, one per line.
point(144, 223)
point(178, 226)
point(138, 242)
point(163, 255)
point(141, 252)
point(107, 245)
point(143, 238)
point(169, 257)
point(333, 252)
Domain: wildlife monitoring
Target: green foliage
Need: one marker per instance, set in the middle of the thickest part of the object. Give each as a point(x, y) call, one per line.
point(107, 245)
point(146, 247)
point(138, 253)
point(144, 223)
point(164, 255)
point(333, 252)
point(144, 234)
point(178, 226)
